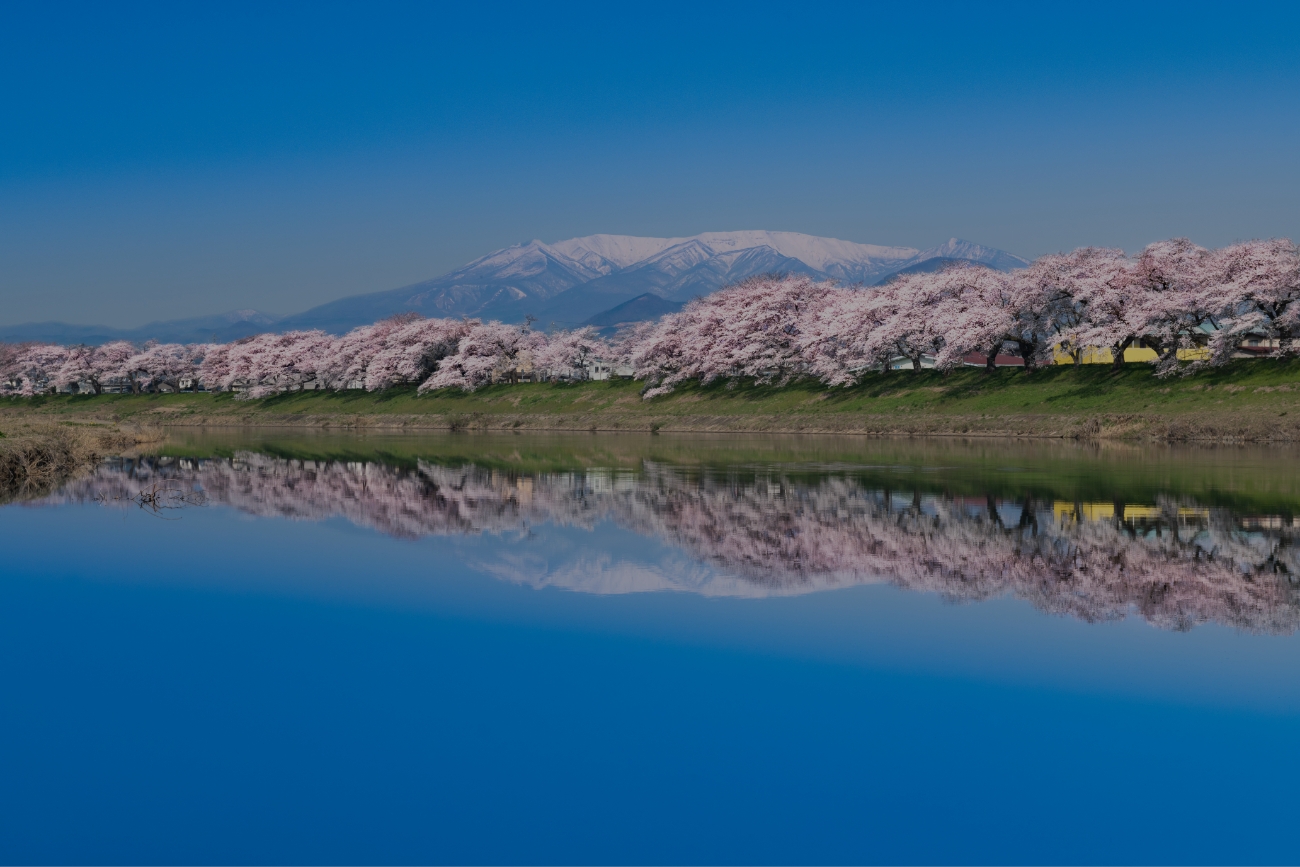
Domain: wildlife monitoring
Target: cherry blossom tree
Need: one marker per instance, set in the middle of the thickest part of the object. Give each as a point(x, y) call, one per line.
point(35, 368)
point(766, 320)
point(1176, 308)
point(1193, 307)
point(568, 353)
point(486, 353)
point(164, 364)
point(99, 366)
point(758, 330)
point(409, 348)
point(267, 364)
point(906, 323)
point(1111, 308)
point(9, 353)
point(214, 369)
point(663, 354)
point(836, 337)
point(82, 364)
point(1046, 309)
point(972, 314)
point(1253, 289)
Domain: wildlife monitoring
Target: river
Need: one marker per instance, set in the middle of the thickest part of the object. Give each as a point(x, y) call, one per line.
point(251, 646)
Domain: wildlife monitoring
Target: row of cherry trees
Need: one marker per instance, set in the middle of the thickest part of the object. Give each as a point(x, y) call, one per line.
point(437, 353)
point(1192, 306)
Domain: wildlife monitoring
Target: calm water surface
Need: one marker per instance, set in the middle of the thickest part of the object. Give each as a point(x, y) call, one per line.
point(258, 648)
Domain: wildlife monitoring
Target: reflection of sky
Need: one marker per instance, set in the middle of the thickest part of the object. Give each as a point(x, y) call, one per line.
point(232, 689)
point(769, 532)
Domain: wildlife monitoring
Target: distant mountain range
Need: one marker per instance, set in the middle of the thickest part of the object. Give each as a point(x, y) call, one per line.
point(601, 280)
point(569, 282)
point(222, 328)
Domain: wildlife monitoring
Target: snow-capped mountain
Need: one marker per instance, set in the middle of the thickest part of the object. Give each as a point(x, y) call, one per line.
point(567, 283)
point(570, 281)
point(956, 249)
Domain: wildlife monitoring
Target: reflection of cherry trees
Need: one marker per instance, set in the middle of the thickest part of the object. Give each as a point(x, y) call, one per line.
point(839, 533)
point(765, 534)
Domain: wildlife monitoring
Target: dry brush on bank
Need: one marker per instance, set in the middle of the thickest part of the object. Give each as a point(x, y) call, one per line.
point(35, 458)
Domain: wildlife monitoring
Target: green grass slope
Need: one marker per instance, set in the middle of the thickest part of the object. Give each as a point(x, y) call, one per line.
point(1247, 401)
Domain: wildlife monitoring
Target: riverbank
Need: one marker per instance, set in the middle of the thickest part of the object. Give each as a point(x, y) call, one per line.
point(1251, 401)
point(37, 456)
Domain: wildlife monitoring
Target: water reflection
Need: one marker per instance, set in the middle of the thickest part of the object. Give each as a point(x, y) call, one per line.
point(772, 530)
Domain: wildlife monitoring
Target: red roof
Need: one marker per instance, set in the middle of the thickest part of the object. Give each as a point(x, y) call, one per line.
point(979, 359)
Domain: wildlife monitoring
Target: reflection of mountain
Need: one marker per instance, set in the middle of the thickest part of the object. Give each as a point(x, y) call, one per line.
point(1175, 564)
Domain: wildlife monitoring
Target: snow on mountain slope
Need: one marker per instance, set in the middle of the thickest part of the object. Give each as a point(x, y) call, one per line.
point(809, 249)
point(678, 258)
point(520, 262)
point(732, 267)
point(954, 248)
point(571, 280)
point(620, 251)
point(626, 250)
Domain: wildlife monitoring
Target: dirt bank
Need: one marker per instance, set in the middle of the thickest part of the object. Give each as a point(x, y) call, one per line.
point(1240, 427)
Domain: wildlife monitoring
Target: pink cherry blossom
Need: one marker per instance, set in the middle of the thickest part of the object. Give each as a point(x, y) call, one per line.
point(487, 353)
point(1171, 298)
point(1253, 290)
point(567, 354)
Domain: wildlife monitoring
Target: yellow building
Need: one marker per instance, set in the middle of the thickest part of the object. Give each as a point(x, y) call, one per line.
point(1097, 355)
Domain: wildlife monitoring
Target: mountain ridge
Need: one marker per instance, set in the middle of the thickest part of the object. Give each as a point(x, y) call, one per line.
point(570, 281)
point(565, 283)
point(222, 327)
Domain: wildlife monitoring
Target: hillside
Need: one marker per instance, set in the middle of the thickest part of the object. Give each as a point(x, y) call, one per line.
point(639, 309)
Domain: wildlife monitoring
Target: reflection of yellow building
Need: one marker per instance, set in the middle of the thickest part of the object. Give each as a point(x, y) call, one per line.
point(1083, 511)
point(1138, 513)
point(1066, 511)
point(1096, 355)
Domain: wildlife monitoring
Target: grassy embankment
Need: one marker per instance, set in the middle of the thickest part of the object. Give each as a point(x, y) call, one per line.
point(1250, 401)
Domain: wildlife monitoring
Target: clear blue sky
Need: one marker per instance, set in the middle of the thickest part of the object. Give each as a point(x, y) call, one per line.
point(171, 160)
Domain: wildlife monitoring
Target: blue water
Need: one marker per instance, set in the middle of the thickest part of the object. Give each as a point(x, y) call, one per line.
point(214, 687)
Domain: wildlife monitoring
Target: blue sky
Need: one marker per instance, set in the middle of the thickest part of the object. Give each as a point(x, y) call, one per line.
point(164, 161)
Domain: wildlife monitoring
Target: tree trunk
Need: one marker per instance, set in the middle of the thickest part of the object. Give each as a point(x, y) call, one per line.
point(916, 363)
point(991, 362)
point(1027, 354)
point(1163, 353)
point(1117, 361)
